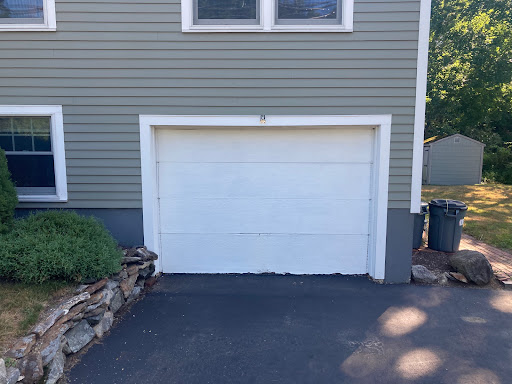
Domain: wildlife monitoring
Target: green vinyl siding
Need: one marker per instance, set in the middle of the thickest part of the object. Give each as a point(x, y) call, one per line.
point(112, 60)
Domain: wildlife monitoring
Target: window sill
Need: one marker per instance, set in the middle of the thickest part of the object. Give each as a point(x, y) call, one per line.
point(26, 28)
point(42, 199)
point(275, 28)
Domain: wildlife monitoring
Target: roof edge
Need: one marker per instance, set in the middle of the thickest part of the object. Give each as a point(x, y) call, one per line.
point(427, 142)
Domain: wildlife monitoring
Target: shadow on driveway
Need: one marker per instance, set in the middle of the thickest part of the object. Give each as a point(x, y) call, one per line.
point(305, 329)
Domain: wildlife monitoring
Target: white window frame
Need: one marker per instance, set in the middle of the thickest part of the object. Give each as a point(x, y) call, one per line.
point(49, 24)
point(57, 139)
point(267, 21)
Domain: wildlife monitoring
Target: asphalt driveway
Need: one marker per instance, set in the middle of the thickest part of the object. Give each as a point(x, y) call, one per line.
point(305, 329)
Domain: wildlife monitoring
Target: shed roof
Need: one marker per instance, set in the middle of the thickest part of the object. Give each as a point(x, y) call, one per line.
point(438, 138)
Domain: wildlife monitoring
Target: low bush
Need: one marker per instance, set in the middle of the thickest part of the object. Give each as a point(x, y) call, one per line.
point(8, 196)
point(58, 245)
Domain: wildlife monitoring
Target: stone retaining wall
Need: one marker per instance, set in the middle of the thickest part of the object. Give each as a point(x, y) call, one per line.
point(76, 322)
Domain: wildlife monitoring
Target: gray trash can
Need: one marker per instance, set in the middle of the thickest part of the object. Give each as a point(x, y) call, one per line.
point(445, 224)
point(419, 226)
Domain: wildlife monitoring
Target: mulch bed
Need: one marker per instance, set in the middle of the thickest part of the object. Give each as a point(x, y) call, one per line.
point(437, 262)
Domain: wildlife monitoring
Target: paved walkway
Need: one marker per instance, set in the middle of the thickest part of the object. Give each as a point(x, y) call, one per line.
point(223, 329)
point(500, 260)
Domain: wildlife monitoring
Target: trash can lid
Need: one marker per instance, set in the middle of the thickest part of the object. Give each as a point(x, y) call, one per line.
point(449, 204)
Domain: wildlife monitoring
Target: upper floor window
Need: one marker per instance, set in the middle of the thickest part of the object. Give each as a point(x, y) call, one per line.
point(33, 140)
point(267, 15)
point(27, 15)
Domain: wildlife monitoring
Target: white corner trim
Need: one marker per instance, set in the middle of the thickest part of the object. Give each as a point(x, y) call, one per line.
point(419, 113)
point(378, 226)
point(57, 138)
point(267, 18)
point(382, 123)
point(50, 21)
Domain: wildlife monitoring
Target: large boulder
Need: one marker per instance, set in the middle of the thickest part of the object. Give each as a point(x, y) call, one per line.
point(473, 265)
point(421, 274)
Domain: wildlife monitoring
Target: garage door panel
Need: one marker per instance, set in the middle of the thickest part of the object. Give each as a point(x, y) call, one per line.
point(282, 180)
point(298, 254)
point(296, 216)
point(265, 145)
point(265, 200)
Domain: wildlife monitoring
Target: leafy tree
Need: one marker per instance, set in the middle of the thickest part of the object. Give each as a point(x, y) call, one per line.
point(470, 70)
point(498, 165)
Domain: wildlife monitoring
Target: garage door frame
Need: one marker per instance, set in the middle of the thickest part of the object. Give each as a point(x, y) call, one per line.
point(149, 124)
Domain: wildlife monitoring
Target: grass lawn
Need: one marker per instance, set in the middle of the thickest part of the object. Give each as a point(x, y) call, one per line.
point(489, 216)
point(20, 306)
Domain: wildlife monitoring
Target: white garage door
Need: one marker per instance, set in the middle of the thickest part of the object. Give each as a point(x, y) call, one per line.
point(264, 200)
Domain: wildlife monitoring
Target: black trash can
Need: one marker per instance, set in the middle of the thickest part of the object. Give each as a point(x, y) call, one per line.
point(445, 224)
point(419, 226)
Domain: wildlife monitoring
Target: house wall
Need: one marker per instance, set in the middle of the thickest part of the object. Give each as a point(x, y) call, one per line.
point(455, 163)
point(110, 61)
point(113, 60)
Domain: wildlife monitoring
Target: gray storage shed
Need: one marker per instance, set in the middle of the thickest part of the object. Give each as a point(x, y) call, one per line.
point(452, 160)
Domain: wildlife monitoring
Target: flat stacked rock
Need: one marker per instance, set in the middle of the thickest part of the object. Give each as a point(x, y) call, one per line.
point(75, 323)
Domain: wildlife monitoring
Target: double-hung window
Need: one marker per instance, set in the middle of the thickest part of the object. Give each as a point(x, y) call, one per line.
point(33, 140)
point(267, 15)
point(27, 15)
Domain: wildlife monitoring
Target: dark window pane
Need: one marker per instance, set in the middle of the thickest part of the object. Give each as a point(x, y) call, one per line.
point(21, 125)
point(42, 143)
point(21, 9)
point(307, 9)
point(5, 125)
point(226, 9)
point(41, 125)
point(32, 170)
point(22, 143)
point(6, 142)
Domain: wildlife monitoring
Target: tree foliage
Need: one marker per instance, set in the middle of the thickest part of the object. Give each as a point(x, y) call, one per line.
point(470, 70)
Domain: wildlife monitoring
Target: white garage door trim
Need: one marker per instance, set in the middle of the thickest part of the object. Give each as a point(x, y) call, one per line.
point(379, 190)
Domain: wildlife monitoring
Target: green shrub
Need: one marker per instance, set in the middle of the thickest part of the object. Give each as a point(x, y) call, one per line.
point(58, 245)
point(498, 165)
point(8, 196)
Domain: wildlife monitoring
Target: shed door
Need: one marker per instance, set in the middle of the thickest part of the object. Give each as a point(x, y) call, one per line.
point(264, 200)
